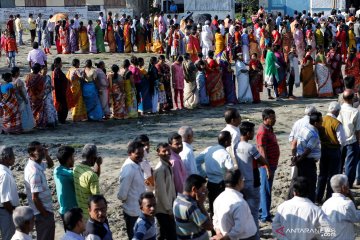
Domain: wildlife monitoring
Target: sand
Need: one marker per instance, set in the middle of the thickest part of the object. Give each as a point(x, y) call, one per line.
point(112, 136)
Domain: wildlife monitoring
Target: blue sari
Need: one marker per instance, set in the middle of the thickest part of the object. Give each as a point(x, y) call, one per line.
point(119, 37)
point(228, 82)
point(201, 84)
point(145, 104)
point(92, 102)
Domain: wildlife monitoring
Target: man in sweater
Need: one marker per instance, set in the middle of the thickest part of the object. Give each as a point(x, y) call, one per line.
point(332, 136)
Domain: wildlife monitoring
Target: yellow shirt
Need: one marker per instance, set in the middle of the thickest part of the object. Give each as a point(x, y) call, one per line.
point(32, 25)
point(18, 24)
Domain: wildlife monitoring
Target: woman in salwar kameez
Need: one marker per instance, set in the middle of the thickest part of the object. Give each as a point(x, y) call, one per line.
point(74, 75)
point(227, 78)
point(119, 36)
point(214, 84)
point(110, 37)
point(64, 38)
point(127, 37)
point(117, 93)
point(307, 75)
point(92, 38)
point(130, 90)
point(100, 45)
point(146, 90)
point(256, 77)
point(83, 39)
point(323, 77)
point(74, 42)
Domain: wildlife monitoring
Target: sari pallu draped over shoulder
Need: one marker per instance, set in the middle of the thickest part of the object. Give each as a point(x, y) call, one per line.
point(214, 84)
point(79, 109)
point(10, 113)
point(58, 74)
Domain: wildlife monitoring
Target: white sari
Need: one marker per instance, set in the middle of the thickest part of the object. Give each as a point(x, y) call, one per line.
point(244, 94)
point(207, 38)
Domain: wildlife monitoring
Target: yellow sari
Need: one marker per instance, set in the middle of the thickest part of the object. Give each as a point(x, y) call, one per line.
point(79, 111)
point(83, 40)
point(127, 37)
point(219, 43)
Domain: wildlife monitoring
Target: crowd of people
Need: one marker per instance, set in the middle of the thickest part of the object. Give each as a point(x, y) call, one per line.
point(234, 176)
point(265, 53)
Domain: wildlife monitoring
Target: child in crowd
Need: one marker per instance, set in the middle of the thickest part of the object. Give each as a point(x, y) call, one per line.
point(11, 50)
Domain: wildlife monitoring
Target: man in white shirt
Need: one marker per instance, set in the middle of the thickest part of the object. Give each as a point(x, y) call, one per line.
point(357, 34)
point(76, 22)
point(350, 119)
point(233, 120)
point(51, 27)
point(187, 154)
point(23, 218)
point(74, 224)
point(39, 23)
point(299, 213)
point(9, 198)
point(216, 160)
point(232, 216)
point(102, 22)
point(340, 208)
point(131, 185)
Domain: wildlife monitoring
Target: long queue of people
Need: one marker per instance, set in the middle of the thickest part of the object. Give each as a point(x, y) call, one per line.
point(235, 176)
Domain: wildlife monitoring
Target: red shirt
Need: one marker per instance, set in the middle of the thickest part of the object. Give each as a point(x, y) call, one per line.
point(10, 45)
point(267, 138)
point(10, 26)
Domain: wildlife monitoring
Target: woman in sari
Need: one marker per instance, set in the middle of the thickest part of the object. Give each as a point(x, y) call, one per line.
point(117, 93)
point(287, 41)
point(130, 90)
point(299, 41)
point(119, 36)
point(127, 37)
point(100, 45)
point(102, 84)
point(49, 108)
point(191, 94)
point(27, 118)
point(109, 36)
point(219, 42)
point(256, 77)
point(64, 38)
point(62, 94)
point(154, 81)
point(92, 38)
point(140, 38)
point(146, 90)
point(57, 37)
point(227, 79)
point(9, 107)
point(201, 83)
point(310, 40)
point(91, 94)
point(271, 73)
point(193, 46)
point(45, 38)
point(282, 67)
point(244, 94)
point(254, 46)
point(323, 77)
point(264, 35)
point(334, 61)
point(74, 76)
point(352, 67)
point(83, 39)
point(74, 43)
point(35, 85)
point(307, 75)
point(214, 84)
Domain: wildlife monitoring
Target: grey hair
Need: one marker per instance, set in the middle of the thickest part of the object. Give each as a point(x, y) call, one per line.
point(185, 132)
point(6, 152)
point(338, 181)
point(334, 107)
point(89, 150)
point(22, 215)
point(309, 109)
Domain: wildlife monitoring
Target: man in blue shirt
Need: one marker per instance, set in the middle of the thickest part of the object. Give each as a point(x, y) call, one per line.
point(64, 180)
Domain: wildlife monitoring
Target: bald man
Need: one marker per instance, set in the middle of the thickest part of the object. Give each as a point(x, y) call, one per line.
point(350, 119)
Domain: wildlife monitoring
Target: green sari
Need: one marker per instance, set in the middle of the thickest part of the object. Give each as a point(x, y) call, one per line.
point(99, 39)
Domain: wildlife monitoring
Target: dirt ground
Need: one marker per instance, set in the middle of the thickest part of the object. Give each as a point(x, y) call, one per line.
point(112, 136)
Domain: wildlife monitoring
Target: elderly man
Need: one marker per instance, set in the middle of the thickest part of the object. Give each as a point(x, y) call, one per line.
point(38, 191)
point(36, 56)
point(187, 154)
point(299, 213)
point(86, 178)
point(299, 124)
point(9, 198)
point(350, 119)
point(23, 218)
point(332, 136)
point(340, 208)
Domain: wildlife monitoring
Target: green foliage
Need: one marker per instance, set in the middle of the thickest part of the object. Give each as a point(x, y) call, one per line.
point(249, 7)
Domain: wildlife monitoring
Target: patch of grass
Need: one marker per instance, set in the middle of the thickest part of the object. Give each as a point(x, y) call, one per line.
point(76, 145)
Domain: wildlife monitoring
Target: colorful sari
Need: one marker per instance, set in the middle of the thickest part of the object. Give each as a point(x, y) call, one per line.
point(91, 97)
point(110, 38)
point(140, 39)
point(119, 36)
point(79, 110)
point(193, 47)
point(27, 118)
point(281, 73)
point(352, 68)
point(145, 104)
point(130, 92)
point(35, 85)
point(323, 77)
point(165, 72)
point(228, 80)
point(219, 43)
point(64, 39)
point(103, 88)
point(191, 95)
point(256, 79)
point(83, 40)
point(335, 62)
point(9, 110)
point(49, 108)
point(92, 39)
point(118, 97)
point(100, 45)
point(287, 41)
point(307, 77)
point(74, 46)
point(214, 84)
point(127, 38)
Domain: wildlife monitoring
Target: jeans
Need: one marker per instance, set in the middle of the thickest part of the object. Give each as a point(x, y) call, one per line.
point(130, 223)
point(265, 193)
point(350, 156)
point(45, 227)
point(167, 227)
point(20, 34)
point(39, 37)
point(214, 190)
point(252, 197)
point(358, 44)
point(11, 56)
point(7, 227)
point(330, 163)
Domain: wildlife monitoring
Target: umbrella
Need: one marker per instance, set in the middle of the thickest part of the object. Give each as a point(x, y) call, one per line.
point(58, 17)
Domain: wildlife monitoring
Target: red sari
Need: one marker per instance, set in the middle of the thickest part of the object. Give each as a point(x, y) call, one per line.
point(193, 47)
point(256, 79)
point(10, 113)
point(334, 60)
point(352, 68)
point(64, 39)
point(214, 84)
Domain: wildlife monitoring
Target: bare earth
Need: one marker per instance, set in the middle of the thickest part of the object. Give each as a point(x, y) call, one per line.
point(112, 136)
